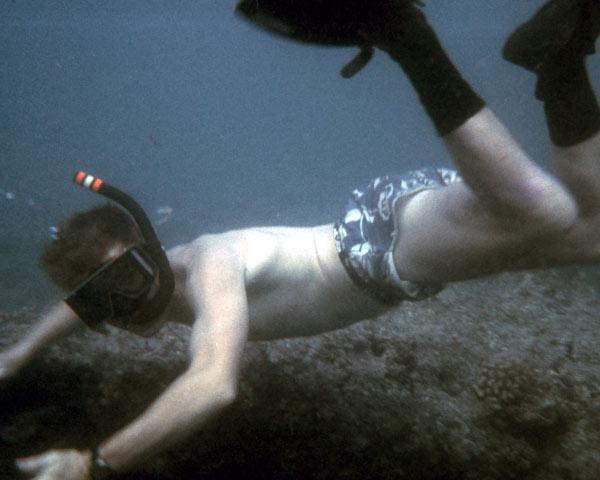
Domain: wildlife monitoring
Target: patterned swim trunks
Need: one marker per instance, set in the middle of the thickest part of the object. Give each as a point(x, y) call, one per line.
point(365, 237)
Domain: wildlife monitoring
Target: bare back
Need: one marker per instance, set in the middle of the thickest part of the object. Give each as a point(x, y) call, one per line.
point(295, 282)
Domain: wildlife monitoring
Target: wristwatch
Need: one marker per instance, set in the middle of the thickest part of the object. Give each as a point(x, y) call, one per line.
point(100, 468)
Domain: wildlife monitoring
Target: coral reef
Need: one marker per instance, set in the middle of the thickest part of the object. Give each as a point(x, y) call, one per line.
point(492, 379)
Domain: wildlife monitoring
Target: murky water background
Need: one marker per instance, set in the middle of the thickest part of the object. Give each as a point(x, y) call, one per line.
point(212, 124)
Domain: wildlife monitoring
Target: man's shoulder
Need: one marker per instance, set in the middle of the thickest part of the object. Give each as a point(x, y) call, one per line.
point(208, 243)
point(257, 250)
point(246, 241)
point(207, 252)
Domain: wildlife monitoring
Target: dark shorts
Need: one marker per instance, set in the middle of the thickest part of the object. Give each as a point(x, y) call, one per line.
point(365, 237)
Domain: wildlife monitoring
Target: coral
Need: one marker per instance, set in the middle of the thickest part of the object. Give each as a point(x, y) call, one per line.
point(527, 401)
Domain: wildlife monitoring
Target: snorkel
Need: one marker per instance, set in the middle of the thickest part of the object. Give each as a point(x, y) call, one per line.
point(149, 258)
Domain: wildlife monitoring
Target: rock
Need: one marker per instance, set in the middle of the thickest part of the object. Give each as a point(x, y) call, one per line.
point(492, 379)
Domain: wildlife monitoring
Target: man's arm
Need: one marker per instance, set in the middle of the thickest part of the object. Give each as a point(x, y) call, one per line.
point(217, 292)
point(57, 323)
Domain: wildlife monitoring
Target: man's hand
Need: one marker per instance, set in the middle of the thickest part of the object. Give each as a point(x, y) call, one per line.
point(57, 465)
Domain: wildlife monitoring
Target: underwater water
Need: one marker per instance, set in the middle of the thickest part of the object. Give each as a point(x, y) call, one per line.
point(212, 124)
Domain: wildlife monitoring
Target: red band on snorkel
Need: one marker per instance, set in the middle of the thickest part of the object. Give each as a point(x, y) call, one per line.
point(87, 181)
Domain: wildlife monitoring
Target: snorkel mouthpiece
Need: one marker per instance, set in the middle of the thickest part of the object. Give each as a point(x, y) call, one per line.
point(95, 302)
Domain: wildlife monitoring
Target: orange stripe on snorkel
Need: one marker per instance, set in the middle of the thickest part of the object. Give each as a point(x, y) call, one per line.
point(88, 181)
point(96, 185)
point(80, 177)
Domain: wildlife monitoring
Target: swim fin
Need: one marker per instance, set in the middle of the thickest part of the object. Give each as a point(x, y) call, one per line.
point(325, 22)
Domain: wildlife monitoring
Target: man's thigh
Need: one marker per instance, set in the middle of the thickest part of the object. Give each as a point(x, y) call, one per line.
point(446, 234)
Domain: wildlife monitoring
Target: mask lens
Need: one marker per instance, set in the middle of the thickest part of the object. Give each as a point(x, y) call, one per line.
point(131, 278)
point(131, 275)
point(92, 305)
point(116, 289)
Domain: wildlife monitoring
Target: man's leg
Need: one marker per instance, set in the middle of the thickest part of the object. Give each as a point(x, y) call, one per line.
point(554, 44)
point(451, 233)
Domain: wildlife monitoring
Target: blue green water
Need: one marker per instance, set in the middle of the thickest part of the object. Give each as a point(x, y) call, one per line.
point(186, 106)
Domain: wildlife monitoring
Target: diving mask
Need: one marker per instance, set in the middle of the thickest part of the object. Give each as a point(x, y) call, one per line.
point(132, 290)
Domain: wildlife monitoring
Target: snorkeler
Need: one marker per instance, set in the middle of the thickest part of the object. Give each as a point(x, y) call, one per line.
point(401, 238)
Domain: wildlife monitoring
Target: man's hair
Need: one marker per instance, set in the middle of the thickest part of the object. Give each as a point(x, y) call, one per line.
point(83, 241)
